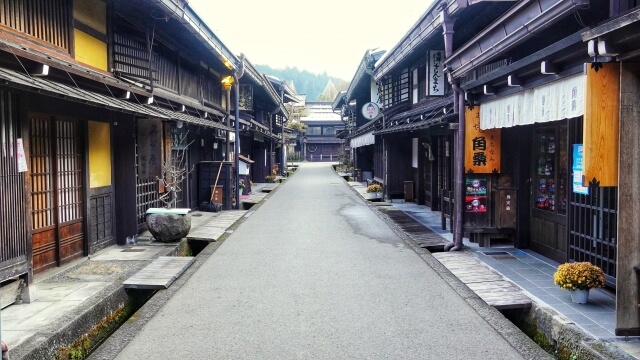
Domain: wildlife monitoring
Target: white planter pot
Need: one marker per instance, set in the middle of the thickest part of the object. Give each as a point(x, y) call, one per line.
point(580, 296)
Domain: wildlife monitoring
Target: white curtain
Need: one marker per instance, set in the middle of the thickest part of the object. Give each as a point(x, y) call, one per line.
point(363, 140)
point(558, 100)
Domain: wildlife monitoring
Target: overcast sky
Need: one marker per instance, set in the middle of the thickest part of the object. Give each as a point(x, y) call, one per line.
point(329, 35)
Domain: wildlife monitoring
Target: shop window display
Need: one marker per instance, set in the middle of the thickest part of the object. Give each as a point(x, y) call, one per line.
point(551, 169)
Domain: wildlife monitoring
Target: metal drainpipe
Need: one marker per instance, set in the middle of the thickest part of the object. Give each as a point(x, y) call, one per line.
point(284, 156)
point(237, 74)
point(447, 27)
point(459, 171)
point(228, 138)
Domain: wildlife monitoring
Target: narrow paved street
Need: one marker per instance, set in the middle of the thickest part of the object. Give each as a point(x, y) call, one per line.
point(316, 274)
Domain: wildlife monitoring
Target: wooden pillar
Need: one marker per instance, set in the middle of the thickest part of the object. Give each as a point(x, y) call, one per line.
point(628, 282)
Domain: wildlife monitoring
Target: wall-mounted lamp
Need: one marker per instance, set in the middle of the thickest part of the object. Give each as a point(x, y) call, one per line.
point(548, 68)
point(179, 124)
point(227, 81)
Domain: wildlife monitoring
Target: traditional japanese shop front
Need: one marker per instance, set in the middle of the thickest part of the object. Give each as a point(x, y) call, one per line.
point(567, 196)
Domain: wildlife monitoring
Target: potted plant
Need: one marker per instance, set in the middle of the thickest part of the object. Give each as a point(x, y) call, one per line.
point(579, 277)
point(374, 192)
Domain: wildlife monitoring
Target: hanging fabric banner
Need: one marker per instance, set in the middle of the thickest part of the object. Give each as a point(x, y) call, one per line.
point(481, 147)
point(562, 99)
point(601, 125)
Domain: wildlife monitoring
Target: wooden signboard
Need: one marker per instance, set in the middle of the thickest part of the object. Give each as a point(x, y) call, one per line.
point(601, 125)
point(481, 147)
point(149, 148)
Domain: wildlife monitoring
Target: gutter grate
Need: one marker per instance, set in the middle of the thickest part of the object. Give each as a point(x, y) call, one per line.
point(498, 254)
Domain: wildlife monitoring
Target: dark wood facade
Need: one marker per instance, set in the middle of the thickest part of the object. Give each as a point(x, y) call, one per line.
point(97, 125)
point(15, 227)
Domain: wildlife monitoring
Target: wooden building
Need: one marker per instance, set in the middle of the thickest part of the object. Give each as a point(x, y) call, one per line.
point(544, 99)
point(319, 142)
point(96, 97)
point(365, 149)
point(262, 115)
point(554, 97)
point(615, 41)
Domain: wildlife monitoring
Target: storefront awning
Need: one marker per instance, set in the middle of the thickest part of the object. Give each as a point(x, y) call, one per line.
point(175, 115)
point(363, 140)
point(562, 99)
point(434, 113)
point(48, 87)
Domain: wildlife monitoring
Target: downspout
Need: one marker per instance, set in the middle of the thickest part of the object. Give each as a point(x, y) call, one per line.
point(270, 143)
point(237, 74)
point(456, 245)
point(284, 156)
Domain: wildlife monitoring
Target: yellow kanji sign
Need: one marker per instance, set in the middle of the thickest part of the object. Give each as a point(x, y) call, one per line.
point(481, 147)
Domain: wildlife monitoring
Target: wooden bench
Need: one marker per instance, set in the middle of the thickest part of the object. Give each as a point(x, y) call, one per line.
point(484, 235)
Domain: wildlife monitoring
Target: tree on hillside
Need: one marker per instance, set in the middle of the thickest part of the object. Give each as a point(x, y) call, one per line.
point(304, 81)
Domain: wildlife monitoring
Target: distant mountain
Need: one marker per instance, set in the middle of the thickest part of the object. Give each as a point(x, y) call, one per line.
point(305, 82)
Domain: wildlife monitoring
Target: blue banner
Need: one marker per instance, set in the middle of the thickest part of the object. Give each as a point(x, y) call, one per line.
point(577, 170)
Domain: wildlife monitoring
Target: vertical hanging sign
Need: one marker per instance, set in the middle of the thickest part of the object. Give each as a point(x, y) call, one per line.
point(481, 147)
point(577, 170)
point(245, 102)
point(601, 125)
point(435, 75)
point(22, 159)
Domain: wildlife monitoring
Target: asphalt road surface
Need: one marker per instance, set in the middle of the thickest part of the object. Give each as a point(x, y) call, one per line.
point(314, 273)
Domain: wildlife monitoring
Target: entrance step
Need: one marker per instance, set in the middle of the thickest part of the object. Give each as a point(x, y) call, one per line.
point(490, 286)
point(422, 235)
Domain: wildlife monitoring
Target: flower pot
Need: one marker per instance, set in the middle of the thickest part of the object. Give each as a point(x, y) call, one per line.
point(580, 296)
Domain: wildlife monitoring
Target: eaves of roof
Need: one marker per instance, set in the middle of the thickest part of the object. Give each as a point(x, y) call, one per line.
point(427, 26)
point(194, 24)
point(372, 125)
point(433, 113)
point(59, 90)
point(368, 63)
point(338, 101)
point(183, 116)
point(504, 35)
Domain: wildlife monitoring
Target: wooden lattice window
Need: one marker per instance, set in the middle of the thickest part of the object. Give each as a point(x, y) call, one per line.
point(42, 191)
point(46, 20)
point(69, 171)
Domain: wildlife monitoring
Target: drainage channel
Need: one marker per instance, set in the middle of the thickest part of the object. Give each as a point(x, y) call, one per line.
point(135, 299)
